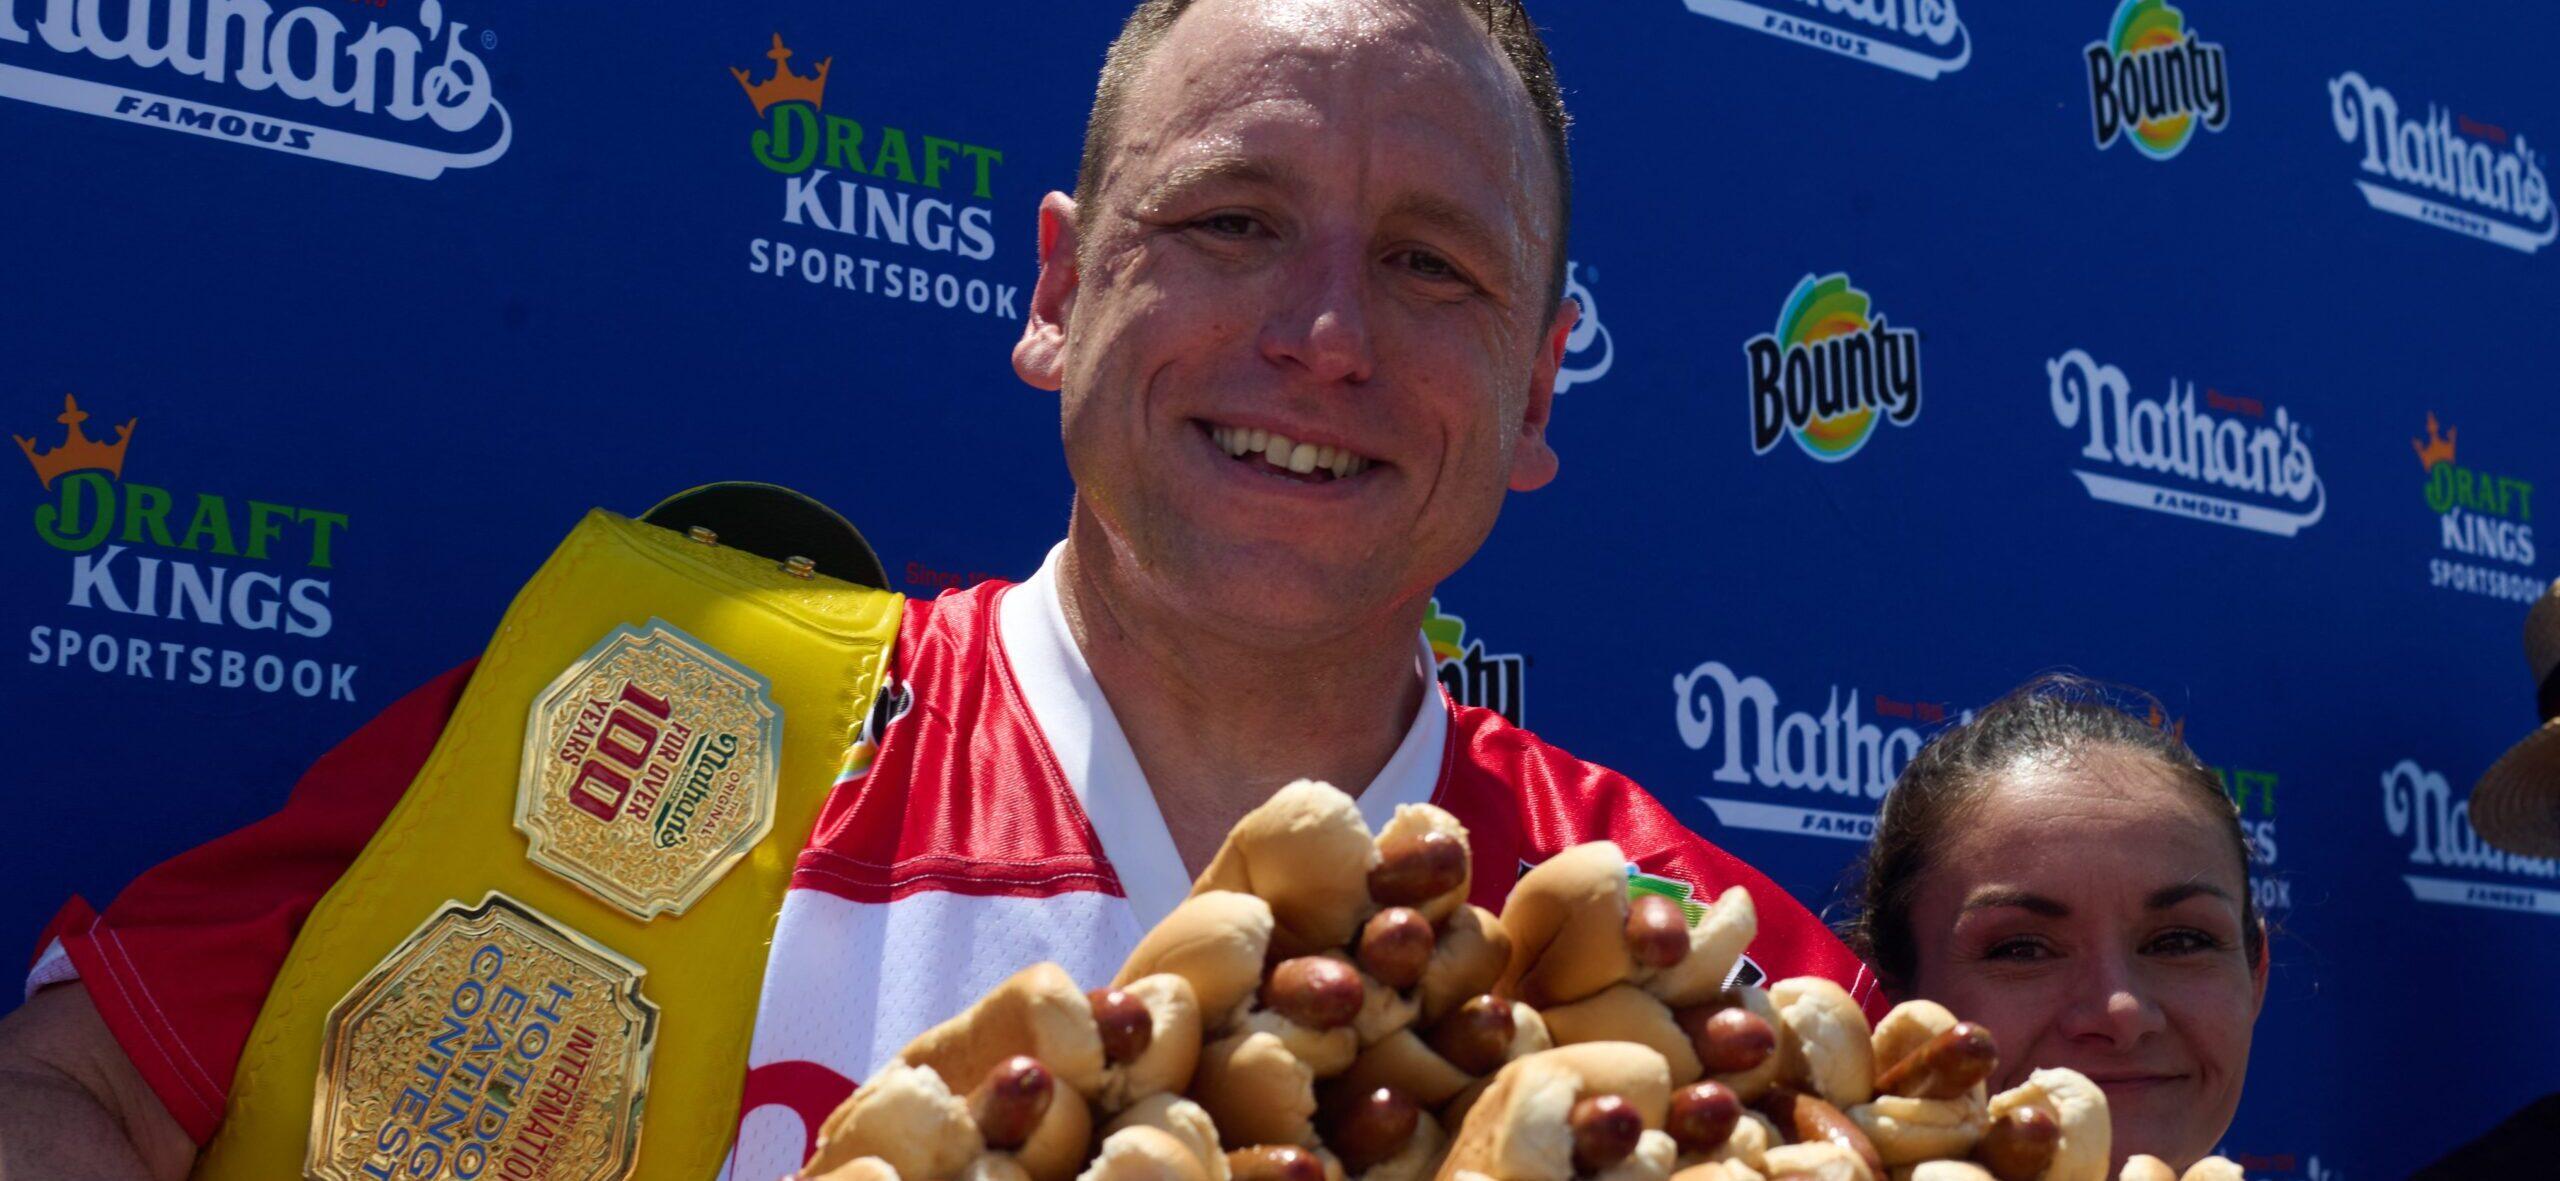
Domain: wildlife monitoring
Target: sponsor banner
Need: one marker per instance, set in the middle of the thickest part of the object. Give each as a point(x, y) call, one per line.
point(880, 211)
point(2449, 171)
point(1791, 771)
point(1588, 351)
point(2153, 81)
point(2223, 459)
point(1830, 371)
point(2484, 523)
point(2418, 804)
point(392, 76)
point(1494, 681)
point(246, 582)
point(1922, 38)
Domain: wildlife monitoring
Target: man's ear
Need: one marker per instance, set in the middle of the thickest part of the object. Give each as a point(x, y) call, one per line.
point(1040, 357)
point(1533, 459)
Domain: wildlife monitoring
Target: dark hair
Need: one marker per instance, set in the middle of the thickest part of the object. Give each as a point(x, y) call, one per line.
point(2056, 715)
point(1504, 20)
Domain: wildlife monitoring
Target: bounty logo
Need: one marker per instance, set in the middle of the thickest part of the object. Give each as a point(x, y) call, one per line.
point(919, 203)
point(1498, 682)
point(1830, 371)
point(1737, 721)
point(2152, 81)
point(1587, 349)
point(1922, 38)
point(2493, 176)
point(2188, 456)
point(139, 551)
point(2418, 804)
point(2479, 515)
point(282, 64)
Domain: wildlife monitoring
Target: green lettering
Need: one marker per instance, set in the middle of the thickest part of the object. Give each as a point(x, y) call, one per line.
point(844, 144)
point(2440, 488)
point(213, 516)
point(783, 148)
point(937, 156)
point(321, 524)
point(60, 526)
point(264, 527)
point(893, 147)
point(146, 507)
point(985, 159)
point(2524, 500)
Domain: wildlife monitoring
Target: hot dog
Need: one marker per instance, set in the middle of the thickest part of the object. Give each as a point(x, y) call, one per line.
point(2076, 1108)
point(1566, 1113)
point(1809, 1119)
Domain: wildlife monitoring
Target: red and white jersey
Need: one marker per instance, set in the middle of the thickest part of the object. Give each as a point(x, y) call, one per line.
point(1002, 820)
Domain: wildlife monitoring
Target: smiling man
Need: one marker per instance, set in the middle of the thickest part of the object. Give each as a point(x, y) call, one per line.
point(1304, 315)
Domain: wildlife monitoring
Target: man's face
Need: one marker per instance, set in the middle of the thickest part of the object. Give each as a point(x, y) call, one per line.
point(1306, 339)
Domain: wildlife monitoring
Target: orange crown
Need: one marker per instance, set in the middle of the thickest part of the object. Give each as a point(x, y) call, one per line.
point(2438, 448)
point(78, 451)
point(784, 86)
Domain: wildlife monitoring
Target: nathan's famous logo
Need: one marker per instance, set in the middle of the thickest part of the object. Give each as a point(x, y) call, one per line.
point(1922, 38)
point(2493, 176)
point(1588, 352)
point(124, 539)
point(2152, 81)
point(1737, 721)
point(2418, 804)
point(2188, 454)
point(2479, 515)
point(1830, 371)
point(1494, 681)
point(307, 57)
point(915, 194)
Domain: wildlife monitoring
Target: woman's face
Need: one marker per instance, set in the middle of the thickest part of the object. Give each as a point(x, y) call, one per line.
point(2089, 912)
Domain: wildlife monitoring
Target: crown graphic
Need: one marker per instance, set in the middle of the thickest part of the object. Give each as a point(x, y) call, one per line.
point(78, 451)
point(2438, 448)
point(784, 86)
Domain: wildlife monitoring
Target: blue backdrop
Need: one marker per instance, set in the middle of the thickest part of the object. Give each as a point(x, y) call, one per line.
point(2206, 350)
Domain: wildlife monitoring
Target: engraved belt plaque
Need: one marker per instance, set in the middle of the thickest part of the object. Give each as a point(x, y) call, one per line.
point(649, 769)
point(495, 1043)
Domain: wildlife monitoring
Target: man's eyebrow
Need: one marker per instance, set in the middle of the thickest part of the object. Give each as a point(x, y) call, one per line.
point(1214, 170)
point(2168, 896)
point(2021, 899)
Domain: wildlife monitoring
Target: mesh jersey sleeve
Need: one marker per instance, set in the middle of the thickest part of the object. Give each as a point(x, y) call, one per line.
point(181, 962)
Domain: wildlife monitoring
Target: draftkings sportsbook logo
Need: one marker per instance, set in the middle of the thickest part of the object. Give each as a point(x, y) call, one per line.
point(114, 60)
point(2493, 178)
point(1922, 38)
point(2224, 459)
point(1494, 681)
point(2152, 81)
point(918, 203)
point(124, 542)
point(2253, 794)
point(1829, 371)
point(1754, 743)
point(2418, 805)
point(2482, 516)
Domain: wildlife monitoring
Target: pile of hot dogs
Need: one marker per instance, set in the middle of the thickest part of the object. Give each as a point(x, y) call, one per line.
point(1326, 1006)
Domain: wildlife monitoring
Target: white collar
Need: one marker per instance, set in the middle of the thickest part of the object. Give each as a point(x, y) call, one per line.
point(1092, 750)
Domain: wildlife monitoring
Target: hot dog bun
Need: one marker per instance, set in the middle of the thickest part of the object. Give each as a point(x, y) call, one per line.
point(907, 1118)
point(1183, 1120)
point(2079, 1108)
point(1472, 952)
point(1907, 1131)
point(1412, 821)
point(1257, 1091)
point(1307, 852)
point(1567, 921)
point(1824, 1046)
point(2139, 1167)
point(1517, 1131)
point(1216, 940)
point(1716, 942)
point(1143, 1153)
point(1627, 1013)
point(1037, 1011)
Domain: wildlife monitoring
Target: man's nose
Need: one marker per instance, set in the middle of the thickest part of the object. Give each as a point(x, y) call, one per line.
point(1322, 322)
point(2111, 1003)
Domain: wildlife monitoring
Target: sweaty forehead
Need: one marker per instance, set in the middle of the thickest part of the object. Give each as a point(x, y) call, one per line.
point(1236, 78)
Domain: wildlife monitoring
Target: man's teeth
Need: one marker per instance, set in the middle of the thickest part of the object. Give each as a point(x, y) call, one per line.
point(1282, 452)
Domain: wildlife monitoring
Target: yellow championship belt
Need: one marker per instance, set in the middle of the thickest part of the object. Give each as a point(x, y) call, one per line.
point(570, 905)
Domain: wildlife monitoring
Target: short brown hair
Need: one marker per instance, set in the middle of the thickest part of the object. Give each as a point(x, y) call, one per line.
point(2056, 715)
point(1504, 20)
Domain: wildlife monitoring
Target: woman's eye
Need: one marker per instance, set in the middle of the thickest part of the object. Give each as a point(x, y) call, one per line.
point(2016, 950)
point(2184, 943)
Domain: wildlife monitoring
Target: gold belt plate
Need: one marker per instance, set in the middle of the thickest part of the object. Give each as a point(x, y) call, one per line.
point(494, 1043)
point(649, 769)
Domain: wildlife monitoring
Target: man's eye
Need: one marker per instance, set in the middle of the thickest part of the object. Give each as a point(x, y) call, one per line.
point(1429, 266)
point(1228, 225)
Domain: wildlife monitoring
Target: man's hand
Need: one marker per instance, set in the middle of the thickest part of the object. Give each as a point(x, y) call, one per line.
point(72, 1106)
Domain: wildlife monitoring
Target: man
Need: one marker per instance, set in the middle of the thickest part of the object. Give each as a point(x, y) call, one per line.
point(1304, 314)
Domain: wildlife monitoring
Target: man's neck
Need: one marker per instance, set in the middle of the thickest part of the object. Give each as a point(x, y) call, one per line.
point(1217, 726)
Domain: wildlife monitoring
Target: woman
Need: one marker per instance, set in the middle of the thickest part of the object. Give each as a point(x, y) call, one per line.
point(2070, 876)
